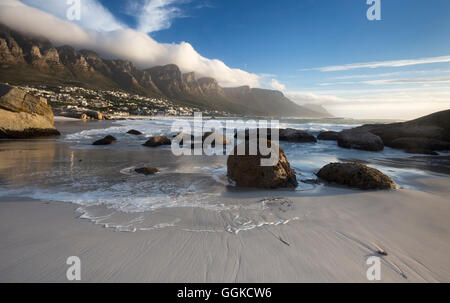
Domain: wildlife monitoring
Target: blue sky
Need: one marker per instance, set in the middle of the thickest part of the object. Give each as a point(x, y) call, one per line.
point(289, 44)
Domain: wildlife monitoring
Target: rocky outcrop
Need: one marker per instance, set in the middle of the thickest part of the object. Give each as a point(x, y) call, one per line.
point(105, 141)
point(157, 141)
point(429, 133)
point(295, 135)
point(356, 175)
point(246, 170)
point(328, 136)
point(358, 139)
point(23, 115)
point(146, 171)
point(80, 114)
point(210, 87)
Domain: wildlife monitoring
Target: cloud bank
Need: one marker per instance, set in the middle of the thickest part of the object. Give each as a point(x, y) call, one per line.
point(115, 42)
point(94, 15)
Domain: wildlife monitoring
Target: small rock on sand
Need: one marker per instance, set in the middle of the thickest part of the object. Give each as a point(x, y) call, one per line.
point(146, 170)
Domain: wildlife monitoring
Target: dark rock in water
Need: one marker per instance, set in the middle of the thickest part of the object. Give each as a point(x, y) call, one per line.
point(23, 115)
point(420, 143)
point(356, 175)
point(134, 132)
point(254, 132)
point(146, 170)
point(295, 135)
point(216, 138)
point(157, 141)
point(246, 170)
point(289, 134)
point(432, 127)
point(360, 140)
point(328, 136)
point(311, 181)
point(421, 152)
point(105, 141)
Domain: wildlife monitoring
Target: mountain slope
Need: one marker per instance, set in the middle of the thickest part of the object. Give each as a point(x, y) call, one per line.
point(33, 60)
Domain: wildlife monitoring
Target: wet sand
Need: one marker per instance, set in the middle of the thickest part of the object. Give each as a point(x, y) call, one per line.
point(330, 243)
point(330, 236)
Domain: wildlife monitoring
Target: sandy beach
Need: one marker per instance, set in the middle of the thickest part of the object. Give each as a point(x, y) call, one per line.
point(329, 243)
point(322, 235)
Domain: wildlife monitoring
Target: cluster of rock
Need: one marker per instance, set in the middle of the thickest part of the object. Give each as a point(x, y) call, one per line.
point(425, 135)
point(81, 114)
point(23, 115)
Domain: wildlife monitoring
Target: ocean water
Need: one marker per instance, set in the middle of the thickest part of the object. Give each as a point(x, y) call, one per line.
point(190, 192)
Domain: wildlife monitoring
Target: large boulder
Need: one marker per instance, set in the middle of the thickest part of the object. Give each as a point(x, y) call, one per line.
point(295, 135)
point(423, 133)
point(246, 170)
point(356, 175)
point(328, 136)
point(360, 140)
point(23, 115)
point(157, 141)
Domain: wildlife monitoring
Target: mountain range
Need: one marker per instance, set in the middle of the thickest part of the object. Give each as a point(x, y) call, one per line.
point(33, 60)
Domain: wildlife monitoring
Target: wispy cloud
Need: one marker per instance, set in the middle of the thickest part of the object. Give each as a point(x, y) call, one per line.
point(392, 81)
point(156, 15)
point(382, 75)
point(378, 64)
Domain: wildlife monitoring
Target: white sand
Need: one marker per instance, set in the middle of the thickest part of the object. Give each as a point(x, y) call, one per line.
point(330, 242)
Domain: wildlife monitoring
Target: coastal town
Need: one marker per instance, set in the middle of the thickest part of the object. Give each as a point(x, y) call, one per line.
point(78, 102)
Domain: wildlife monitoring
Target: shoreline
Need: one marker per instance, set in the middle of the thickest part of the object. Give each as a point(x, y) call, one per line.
point(328, 243)
point(319, 235)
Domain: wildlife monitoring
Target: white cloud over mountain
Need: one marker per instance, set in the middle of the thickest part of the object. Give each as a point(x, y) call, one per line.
point(115, 41)
point(94, 15)
point(275, 84)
